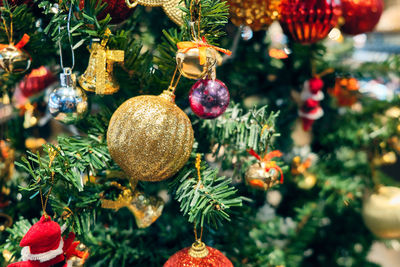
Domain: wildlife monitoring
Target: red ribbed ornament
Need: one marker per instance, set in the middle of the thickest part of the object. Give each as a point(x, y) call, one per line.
point(183, 258)
point(117, 9)
point(361, 16)
point(36, 81)
point(309, 21)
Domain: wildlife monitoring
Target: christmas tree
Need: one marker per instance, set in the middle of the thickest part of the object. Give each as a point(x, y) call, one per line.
point(195, 133)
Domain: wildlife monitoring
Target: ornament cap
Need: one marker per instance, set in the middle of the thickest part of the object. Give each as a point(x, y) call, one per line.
point(67, 79)
point(198, 250)
point(168, 95)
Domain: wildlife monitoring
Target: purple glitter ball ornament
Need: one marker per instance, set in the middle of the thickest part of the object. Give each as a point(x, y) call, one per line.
point(209, 98)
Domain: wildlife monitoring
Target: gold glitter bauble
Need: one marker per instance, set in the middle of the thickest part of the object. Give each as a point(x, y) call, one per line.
point(381, 212)
point(258, 14)
point(189, 62)
point(258, 178)
point(150, 137)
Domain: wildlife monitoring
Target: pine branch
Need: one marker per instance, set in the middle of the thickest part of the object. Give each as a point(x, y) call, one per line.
point(207, 200)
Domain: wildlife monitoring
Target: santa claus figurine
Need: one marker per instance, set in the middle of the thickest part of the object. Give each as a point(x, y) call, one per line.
point(311, 96)
point(43, 246)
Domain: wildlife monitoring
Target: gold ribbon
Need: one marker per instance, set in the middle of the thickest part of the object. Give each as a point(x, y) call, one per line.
point(202, 45)
point(124, 198)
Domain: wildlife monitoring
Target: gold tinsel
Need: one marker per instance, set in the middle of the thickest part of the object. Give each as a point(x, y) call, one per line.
point(150, 137)
point(258, 14)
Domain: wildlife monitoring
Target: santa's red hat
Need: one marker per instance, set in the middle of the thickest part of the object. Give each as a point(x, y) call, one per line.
point(42, 245)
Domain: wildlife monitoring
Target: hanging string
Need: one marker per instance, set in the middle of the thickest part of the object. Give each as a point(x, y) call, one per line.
point(198, 168)
point(52, 155)
point(193, 21)
point(69, 40)
point(9, 32)
point(174, 84)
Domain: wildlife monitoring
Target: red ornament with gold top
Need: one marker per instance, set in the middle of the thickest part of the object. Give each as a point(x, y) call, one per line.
point(199, 255)
point(117, 9)
point(36, 81)
point(361, 15)
point(309, 21)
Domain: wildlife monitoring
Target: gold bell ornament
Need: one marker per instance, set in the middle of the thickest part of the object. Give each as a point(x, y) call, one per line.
point(98, 76)
point(265, 173)
point(381, 212)
point(145, 209)
point(13, 59)
point(196, 58)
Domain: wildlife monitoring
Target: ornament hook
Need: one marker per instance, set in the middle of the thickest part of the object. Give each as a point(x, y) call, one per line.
point(69, 40)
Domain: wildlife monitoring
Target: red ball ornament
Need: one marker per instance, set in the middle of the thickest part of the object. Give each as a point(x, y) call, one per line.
point(199, 255)
point(117, 9)
point(209, 98)
point(36, 81)
point(361, 15)
point(309, 21)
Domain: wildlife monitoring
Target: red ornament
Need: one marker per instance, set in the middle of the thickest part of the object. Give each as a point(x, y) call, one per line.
point(361, 15)
point(199, 255)
point(209, 98)
point(36, 81)
point(117, 9)
point(309, 21)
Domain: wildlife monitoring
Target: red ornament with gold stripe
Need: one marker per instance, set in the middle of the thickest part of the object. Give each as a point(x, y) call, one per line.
point(309, 21)
point(199, 255)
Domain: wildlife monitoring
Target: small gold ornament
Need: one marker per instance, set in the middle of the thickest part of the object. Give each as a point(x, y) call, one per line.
point(258, 14)
point(381, 212)
point(98, 76)
point(307, 182)
point(170, 7)
point(76, 261)
point(6, 162)
point(387, 158)
point(150, 137)
point(146, 210)
point(13, 59)
point(197, 58)
point(189, 64)
point(258, 178)
point(265, 173)
point(5, 221)
point(34, 144)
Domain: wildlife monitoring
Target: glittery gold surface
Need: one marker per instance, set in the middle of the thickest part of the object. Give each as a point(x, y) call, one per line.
point(258, 178)
point(258, 14)
point(150, 137)
point(171, 8)
point(98, 76)
point(381, 212)
point(214, 259)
